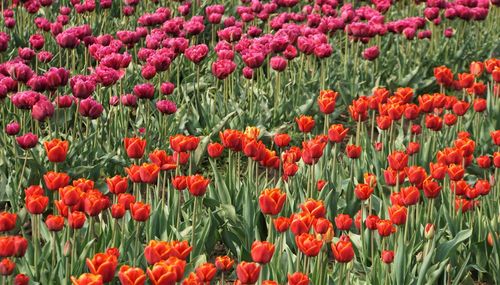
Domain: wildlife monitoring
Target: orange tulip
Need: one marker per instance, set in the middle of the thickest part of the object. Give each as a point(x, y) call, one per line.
point(103, 264)
point(224, 263)
point(87, 279)
point(149, 173)
point(308, 244)
point(117, 184)
point(162, 274)
point(134, 147)
point(55, 180)
point(271, 201)
point(305, 123)
point(56, 150)
point(131, 275)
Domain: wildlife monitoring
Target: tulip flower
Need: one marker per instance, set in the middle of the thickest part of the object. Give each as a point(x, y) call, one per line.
point(197, 185)
point(398, 214)
point(54, 223)
point(298, 278)
point(117, 184)
point(7, 221)
point(224, 263)
point(387, 256)
point(21, 279)
point(56, 150)
point(343, 222)
point(103, 264)
point(131, 276)
point(305, 123)
point(271, 201)
point(140, 212)
point(343, 250)
point(314, 207)
point(162, 273)
point(134, 147)
point(7, 267)
point(206, 272)
point(248, 272)
point(308, 244)
point(262, 251)
point(363, 191)
point(87, 279)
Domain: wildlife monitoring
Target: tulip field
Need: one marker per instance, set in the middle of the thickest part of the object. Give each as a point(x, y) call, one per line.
point(263, 142)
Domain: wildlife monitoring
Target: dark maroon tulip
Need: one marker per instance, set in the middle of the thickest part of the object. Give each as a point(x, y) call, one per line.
point(90, 108)
point(42, 110)
point(27, 141)
point(166, 107)
point(37, 41)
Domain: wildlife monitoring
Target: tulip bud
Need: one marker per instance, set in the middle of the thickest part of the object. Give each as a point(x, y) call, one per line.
point(67, 248)
point(429, 231)
point(419, 256)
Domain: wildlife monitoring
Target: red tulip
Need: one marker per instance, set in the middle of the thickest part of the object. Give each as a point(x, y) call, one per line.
point(337, 133)
point(134, 147)
point(197, 185)
point(431, 188)
point(117, 184)
point(103, 264)
point(398, 160)
point(21, 279)
point(206, 272)
point(353, 151)
point(343, 250)
point(76, 220)
point(371, 222)
point(149, 173)
point(55, 180)
point(385, 228)
point(271, 201)
point(298, 278)
point(343, 222)
point(314, 207)
point(398, 214)
point(36, 204)
point(262, 251)
point(308, 244)
point(327, 100)
point(282, 140)
point(162, 274)
point(301, 223)
point(215, 150)
point(7, 267)
point(118, 211)
point(140, 212)
point(305, 123)
point(281, 224)
point(248, 272)
point(363, 191)
point(387, 256)
point(7, 221)
point(54, 223)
